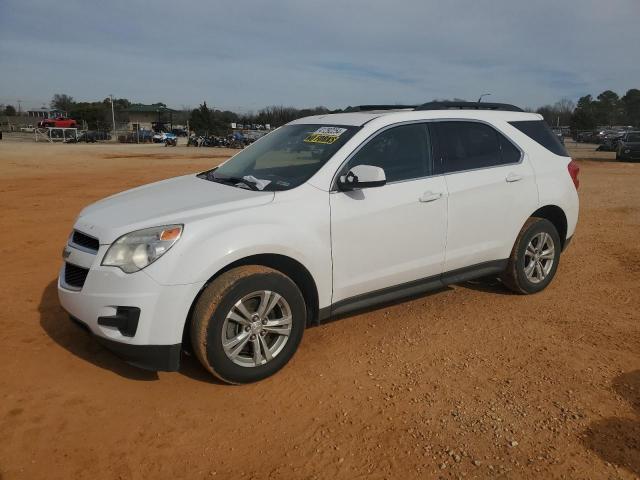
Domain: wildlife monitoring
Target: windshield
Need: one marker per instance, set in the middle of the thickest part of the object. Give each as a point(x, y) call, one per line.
point(283, 159)
point(633, 137)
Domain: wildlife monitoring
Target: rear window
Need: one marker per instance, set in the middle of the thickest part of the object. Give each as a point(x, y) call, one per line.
point(539, 131)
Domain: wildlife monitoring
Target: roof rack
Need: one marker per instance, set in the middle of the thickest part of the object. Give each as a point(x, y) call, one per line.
point(468, 106)
point(440, 106)
point(366, 108)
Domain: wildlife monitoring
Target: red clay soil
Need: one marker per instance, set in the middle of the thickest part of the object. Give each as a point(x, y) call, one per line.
point(471, 381)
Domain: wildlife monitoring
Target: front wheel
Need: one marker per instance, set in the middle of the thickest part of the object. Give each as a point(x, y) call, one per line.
point(534, 259)
point(248, 323)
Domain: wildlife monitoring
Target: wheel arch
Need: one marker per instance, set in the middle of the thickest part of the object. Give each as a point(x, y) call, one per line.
point(557, 217)
point(295, 270)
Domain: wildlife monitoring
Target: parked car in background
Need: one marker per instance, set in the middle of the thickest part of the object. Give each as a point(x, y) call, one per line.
point(170, 140)
point(180, 132)
point(609, 140)
point(629, 146)
point(28, 129)
point(558, 133)
point(59, 122)
point(325, 215)
point(162, 137)
point(585, 136)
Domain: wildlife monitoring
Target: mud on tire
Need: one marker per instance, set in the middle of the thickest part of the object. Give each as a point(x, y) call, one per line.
point(531, 266)
point(220, 316)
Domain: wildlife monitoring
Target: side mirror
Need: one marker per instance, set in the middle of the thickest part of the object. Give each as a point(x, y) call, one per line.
point(362, 176)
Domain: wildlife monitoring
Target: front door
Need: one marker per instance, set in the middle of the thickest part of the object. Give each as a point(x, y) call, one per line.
point(387, 236)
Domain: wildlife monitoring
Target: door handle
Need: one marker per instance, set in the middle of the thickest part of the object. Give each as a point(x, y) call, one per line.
point(513, 177)
point(430, 196)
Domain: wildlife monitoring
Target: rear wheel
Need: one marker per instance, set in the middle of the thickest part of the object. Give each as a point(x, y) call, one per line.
point(534, 258)
point(248, 323)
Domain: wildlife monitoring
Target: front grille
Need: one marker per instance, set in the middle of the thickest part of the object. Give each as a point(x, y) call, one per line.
point(75, 276)
point(85, 240)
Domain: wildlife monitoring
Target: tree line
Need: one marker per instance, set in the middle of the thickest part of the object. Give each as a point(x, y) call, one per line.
point(204, 120)
point(608, 108)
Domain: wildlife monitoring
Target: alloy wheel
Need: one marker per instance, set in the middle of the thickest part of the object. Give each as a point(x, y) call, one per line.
point(257, 328)
point(539, 257)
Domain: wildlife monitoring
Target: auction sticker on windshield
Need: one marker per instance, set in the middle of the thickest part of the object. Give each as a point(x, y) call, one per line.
point(326, 135)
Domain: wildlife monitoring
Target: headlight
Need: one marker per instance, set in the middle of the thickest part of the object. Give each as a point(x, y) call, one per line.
point(136, 250)
point(627, 150)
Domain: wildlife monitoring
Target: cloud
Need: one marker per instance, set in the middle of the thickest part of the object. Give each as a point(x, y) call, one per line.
point(245, 55)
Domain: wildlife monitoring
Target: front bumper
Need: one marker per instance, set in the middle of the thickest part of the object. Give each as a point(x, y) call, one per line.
point(105, 302)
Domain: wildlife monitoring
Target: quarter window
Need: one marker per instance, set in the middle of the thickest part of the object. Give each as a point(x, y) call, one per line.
point(472, 145)
point(403, 152)
point(539, 131)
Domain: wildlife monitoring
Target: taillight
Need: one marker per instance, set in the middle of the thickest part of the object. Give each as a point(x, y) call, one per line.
point(574, 169)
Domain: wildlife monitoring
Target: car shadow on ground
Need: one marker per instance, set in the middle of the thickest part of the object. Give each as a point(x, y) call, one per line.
point(73, 338)
point(617, 440)
point(78, 341)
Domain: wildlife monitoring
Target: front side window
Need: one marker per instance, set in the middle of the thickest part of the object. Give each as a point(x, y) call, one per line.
point(284, 159)
point(403, 152)
point(472, 145)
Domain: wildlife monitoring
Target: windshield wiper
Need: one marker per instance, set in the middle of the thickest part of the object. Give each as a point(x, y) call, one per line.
point(235, 181)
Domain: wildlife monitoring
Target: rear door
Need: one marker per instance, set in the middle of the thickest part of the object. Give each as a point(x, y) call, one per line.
point(387, 236)
point(492, 191)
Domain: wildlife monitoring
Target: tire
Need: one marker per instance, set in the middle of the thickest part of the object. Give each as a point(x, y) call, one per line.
point(517, 276)
point(211, 324)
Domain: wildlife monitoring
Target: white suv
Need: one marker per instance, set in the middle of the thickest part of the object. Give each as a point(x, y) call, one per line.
point(325, 215)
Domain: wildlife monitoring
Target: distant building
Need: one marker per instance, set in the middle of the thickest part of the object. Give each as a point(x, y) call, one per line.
point(149, 117)
point(46, 113)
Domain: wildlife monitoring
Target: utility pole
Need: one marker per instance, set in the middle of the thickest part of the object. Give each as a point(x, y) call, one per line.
point(113, 117)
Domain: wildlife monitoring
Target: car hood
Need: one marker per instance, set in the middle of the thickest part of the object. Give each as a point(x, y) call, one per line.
point(172, 201)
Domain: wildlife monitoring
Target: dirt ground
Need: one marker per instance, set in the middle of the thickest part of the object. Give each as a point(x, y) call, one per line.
point(467, 382)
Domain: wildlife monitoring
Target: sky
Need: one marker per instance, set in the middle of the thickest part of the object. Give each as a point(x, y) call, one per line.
point(244, 55)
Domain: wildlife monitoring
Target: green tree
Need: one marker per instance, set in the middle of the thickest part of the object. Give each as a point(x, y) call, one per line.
point(607, 108)
point(583, 117)
point(631, 107)
point(119, 104)
point(10, 111)
point(206, 121)
point(95, 114)
point(201, 120)
point(61, 101)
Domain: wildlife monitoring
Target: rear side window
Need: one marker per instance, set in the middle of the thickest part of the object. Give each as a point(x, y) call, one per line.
point(472, 145)
point(539, 131)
